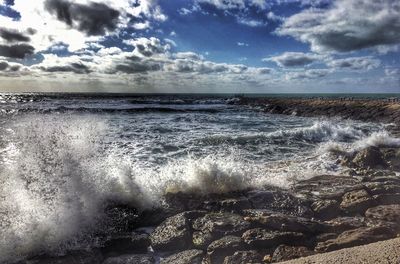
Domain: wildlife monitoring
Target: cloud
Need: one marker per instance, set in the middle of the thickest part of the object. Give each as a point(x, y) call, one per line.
point(235, 4)
point(392, 72)
point(355, 63)
point(77, 68)
point(93, 19)
point(148, 46)
point(309, 74)
point(294, 59)
point(242, 44)
point(13, 36)
point(346, 25)
point(251, 22)
point(18, 51)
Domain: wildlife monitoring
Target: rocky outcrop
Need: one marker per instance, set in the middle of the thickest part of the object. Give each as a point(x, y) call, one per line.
point(263, 238)
point(172, 234)
point(219, 249)
point(193, 256)
point(356, 237)
point(130, 259)
point(283, 253)
point(244, 257)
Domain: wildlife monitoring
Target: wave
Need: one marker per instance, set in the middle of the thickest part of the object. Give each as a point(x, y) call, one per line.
point(58, 175)
point(155, 109)
point(59, 172)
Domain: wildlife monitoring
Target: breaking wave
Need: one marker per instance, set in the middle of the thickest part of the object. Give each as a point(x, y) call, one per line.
point(58, 172)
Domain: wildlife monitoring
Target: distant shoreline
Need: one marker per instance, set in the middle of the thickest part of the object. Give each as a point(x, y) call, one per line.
point(369, 110)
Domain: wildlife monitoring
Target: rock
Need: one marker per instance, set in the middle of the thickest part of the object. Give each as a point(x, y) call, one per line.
point(326, 186)
point(357, 201)
point(172, 234)
point(126, 243)
point(193, 256)
point(74, 257)
point(325, 236)
point(326, 209)
point(233, 205)
point(388, 213)
point(201, 239)
point(376, 188)
point(263, 239)
point(215, 225)
point(386, 199)
point(130, 259)
point(370, 157)
point(283, 253)
point(356, 237)
point(281, 222)
point(244, 257)
point(279, 201)
point(123, 217)
point(341, 224)
point(219, 249)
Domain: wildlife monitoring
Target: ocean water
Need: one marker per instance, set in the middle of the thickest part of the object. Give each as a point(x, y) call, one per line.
point(64, 157)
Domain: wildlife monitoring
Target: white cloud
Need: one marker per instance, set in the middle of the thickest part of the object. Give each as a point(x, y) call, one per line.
point(347, 25)
point(242, 44)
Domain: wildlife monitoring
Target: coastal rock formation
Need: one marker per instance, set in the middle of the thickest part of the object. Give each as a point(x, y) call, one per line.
point(193, 256)
point(172, 234)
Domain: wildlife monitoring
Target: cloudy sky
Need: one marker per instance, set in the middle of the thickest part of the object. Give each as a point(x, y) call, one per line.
point(234, 46)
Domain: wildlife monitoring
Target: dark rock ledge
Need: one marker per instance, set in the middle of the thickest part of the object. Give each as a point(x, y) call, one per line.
point(321, 214)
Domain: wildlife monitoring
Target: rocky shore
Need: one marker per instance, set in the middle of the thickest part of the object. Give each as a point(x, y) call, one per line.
point(370, 110)
point(265, 225)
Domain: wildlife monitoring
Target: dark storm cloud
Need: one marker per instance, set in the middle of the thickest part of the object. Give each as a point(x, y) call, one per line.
point(19, 51)
point(78, 68)
point(13, 36)
point(93, 19)
point(137, 67)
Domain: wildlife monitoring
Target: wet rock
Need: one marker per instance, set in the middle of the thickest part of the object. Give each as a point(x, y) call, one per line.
point(126, 243)
point(233, 205)
point(388, 213)
point(376, 188)
point(283, 253)
point(386, 199)
point(356, 237)
point(215, 225)
point(74, 257)
point(326, 209)
point(277, 221)
point(279, 201)
point(130, 259)
point(356, 201)
point(263, 238)
point(219, 249)
point(370, 157)
point(244, 257)
point(193, 256)
point(123, 217)
point(326, 186)
point(341, 224)
point(172, 234)
point(325, 236)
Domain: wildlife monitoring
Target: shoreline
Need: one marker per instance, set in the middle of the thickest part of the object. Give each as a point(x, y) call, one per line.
point(320, 215)
point(369, 110)
point(268, 224)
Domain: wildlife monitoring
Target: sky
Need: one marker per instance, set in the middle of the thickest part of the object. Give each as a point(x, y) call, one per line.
point(200, 46)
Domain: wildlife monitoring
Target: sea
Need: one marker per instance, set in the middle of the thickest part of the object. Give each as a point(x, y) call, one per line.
point(64, 157)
